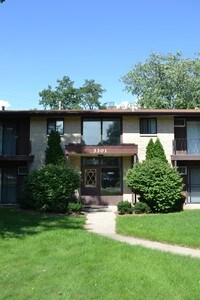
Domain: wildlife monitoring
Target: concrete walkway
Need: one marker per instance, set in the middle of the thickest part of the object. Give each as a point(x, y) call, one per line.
point(102, 221)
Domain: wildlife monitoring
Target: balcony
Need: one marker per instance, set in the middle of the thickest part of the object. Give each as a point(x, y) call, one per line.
point(186, 149)
point(15, 149)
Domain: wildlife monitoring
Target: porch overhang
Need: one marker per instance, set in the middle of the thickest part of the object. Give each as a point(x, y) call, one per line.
point(105, 150)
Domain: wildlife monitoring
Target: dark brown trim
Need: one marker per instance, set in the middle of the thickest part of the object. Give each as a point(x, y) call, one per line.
point(17, 158)
point(185, 157)
point(105, 150)
point(102, 113)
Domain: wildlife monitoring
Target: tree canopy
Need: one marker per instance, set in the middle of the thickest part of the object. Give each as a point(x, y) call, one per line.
point(165, 81)
point(69, 97)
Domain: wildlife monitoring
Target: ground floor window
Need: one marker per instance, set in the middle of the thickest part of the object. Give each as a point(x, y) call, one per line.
point(101, 176)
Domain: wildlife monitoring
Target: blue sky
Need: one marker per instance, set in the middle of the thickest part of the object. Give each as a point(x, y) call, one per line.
point(43, 40)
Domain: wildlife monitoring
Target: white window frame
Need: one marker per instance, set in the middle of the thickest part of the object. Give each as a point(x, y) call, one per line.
point(182, 170)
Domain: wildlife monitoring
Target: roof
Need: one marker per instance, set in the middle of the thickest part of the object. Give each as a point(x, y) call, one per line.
point(108, 112)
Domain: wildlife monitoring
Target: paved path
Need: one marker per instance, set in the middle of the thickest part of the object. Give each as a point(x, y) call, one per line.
point(102, 221)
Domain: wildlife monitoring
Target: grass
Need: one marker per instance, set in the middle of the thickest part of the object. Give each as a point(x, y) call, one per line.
point(178, 228)
point(52, 257)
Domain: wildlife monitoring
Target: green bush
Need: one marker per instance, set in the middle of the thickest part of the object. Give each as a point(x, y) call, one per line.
point(48, 188)
point(73, 207)
point(158, 185)
point(124, 207)
point(141, 208)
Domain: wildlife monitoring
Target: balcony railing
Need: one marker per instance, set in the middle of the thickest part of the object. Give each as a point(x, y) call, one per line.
point(186, 147)
point(15, 146)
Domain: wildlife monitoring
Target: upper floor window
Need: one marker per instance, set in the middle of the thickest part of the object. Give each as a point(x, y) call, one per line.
point(101, 131)
point(148, 126)
point(55, 125)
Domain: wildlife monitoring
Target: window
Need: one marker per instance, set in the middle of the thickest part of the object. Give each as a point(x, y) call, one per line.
point(55, 125)
point(182, 170)
point(101, 131)
point(148, 126)
point(22, 171)
point(179, 122)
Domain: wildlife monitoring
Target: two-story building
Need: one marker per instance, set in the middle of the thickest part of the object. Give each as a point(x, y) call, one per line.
point(101, 144)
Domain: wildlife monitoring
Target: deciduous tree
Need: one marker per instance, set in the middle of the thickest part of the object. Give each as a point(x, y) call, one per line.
point(69, 97)
point(165, 81)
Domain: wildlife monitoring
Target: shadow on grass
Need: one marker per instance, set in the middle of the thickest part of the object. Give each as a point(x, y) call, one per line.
point(15, 223)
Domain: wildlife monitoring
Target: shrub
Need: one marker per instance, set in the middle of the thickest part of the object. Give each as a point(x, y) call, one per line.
point(48, 188)
point(141, 208)
point(73, 207)
point(158, 185)
point(124, 207)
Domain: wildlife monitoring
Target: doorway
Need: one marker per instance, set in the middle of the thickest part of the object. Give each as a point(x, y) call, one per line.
point(101, 176)
point(195, 185)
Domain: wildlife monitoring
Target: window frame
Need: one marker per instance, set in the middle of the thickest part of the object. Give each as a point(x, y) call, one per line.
point(55, 120)
point(102, 119)
point(148, 131)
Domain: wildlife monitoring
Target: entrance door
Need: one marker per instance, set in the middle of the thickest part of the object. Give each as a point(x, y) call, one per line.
point(90, 185)
point(101, 176)
point(195, 185)
point(9, 186)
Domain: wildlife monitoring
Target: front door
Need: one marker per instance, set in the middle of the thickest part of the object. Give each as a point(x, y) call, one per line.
point(101, 176)
point(195, 185)
point(90, 184)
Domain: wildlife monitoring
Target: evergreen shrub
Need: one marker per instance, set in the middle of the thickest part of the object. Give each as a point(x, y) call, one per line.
point(124, 207)
point(74, 207)
point(158, 185)
point(50, 187)
point(54, 153)
point(141, 208)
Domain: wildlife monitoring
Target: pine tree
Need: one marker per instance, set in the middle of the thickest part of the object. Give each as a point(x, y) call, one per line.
point(54, 153)
point(159, 151)
point(150, 150)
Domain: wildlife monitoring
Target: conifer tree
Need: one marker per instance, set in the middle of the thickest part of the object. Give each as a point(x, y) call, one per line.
point(150, 150)
point(159, 151)
point(54, 153)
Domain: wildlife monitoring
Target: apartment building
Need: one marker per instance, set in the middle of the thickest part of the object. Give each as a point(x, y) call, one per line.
point(102, 145)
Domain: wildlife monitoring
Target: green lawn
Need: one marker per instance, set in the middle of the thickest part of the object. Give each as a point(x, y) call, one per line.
point(178, 228)
point(52, 257)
